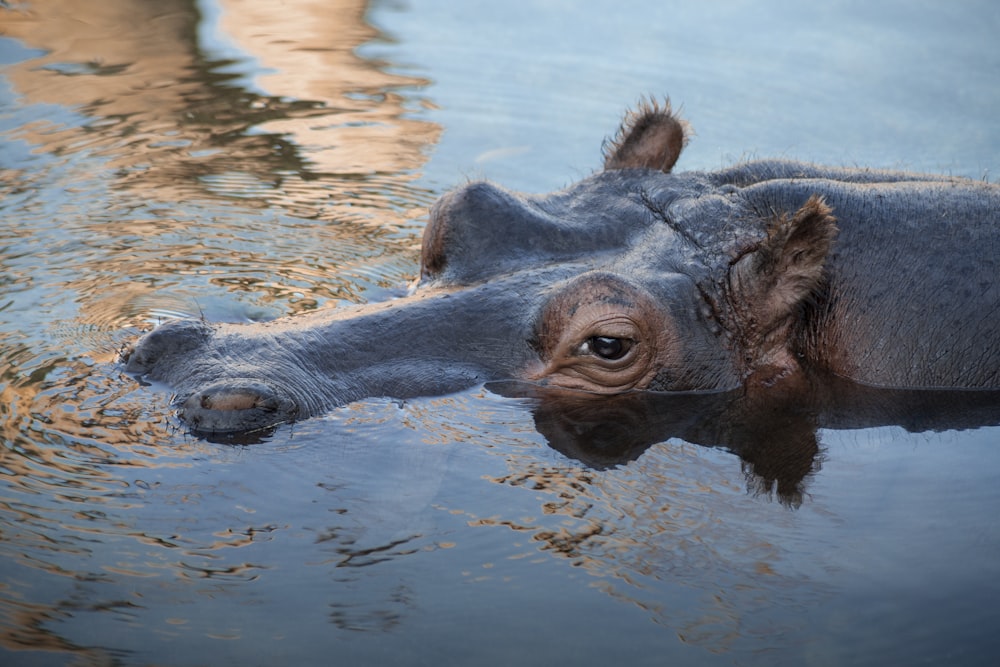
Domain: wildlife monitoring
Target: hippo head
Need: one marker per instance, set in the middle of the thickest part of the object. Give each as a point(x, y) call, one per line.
point(674, 283)
point(632, 279)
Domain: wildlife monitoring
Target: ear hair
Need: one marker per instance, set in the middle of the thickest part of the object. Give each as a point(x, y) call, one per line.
point(650, 137)
point(768, 282)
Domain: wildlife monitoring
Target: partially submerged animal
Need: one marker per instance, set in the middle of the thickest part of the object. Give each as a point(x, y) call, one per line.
point(636, 278)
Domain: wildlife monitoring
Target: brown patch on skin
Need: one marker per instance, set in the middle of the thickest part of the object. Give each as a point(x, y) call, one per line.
point(650, 137)
point(769, 282)
point(602, 305)
point(233, 401)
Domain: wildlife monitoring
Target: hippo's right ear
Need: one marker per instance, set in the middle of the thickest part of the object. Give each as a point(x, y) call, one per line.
point(769, 283)
point(650, 137)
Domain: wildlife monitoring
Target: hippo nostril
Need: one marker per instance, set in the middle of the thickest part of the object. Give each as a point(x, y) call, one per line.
point(237, 406)
point(238, 400)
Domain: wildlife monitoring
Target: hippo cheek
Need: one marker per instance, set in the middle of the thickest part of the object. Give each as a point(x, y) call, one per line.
point(236, 406)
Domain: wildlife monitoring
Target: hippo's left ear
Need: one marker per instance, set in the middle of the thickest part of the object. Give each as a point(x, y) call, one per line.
point(651, 137)
point(769, 283)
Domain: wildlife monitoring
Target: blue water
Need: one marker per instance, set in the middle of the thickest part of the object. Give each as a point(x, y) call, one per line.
point(244, 161)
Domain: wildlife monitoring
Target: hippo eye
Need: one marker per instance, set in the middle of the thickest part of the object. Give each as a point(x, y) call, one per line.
point(607, 347)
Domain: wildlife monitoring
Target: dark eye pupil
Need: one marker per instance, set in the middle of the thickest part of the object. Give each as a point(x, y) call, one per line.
point(609, 348)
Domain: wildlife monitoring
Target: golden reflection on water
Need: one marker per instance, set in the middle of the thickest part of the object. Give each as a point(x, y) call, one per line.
point(322, 66)
point(150, 169)
point(187, 171)
point(167, 121)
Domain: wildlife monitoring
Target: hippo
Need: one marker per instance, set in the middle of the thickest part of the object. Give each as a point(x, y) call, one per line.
point(635, 279)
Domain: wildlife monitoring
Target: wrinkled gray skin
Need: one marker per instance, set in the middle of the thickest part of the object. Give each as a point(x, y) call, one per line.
point(636, 278)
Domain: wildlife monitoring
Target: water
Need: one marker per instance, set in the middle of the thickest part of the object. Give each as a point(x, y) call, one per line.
point(243, 161)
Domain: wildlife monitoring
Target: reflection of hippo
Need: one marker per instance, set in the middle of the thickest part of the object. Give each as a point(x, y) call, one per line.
point(773, 432)
point(636, 278)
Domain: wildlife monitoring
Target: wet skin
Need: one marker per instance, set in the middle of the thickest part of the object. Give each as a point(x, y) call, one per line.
point(637, 278)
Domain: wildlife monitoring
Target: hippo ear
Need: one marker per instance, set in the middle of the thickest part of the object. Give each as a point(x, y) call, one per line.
point(769, 283)
point(651, 137)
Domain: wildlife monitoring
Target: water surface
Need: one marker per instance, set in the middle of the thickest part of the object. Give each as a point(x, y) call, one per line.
point(241, 161)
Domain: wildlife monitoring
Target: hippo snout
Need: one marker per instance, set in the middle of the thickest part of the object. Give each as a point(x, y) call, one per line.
point(237, 406)
point(218, 405)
